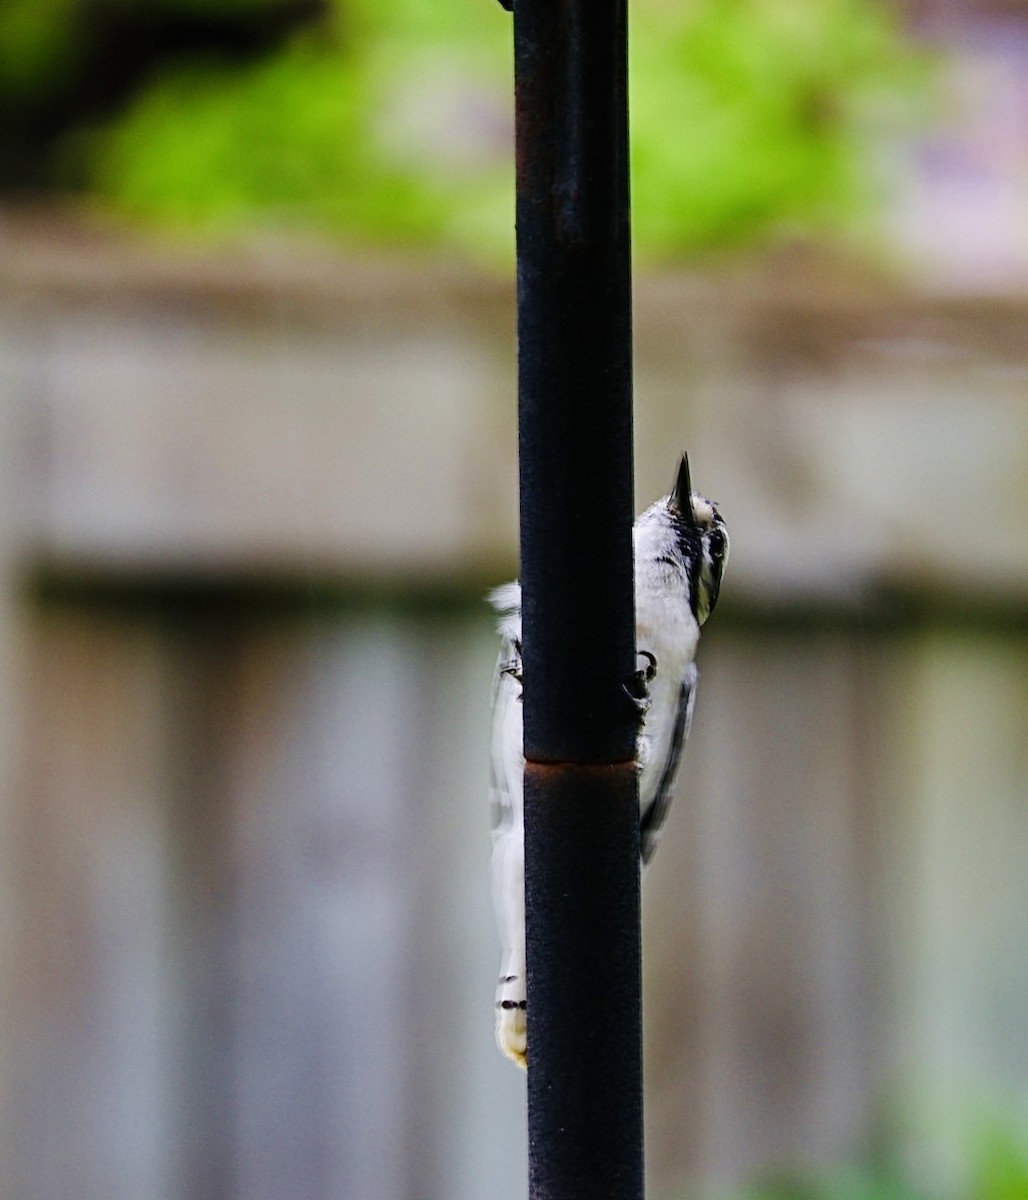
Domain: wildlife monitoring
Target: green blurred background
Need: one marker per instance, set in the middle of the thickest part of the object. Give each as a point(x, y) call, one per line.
point(391, 122)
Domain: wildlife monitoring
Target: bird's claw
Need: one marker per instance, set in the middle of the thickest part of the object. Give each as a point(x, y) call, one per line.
point(512, 666)
point(639, 690)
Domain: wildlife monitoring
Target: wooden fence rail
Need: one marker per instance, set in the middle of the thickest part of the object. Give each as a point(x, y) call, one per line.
point(249, 513)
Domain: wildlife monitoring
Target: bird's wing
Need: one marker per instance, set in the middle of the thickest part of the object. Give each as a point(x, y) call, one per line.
point(506, 760)
point(506, 757)
point(655, 813)
point(506, 797)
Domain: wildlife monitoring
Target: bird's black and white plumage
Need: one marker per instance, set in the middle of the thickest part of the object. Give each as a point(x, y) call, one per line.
point(681, 547)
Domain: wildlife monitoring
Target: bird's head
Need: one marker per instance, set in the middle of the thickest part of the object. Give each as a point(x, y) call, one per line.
point(702, 541)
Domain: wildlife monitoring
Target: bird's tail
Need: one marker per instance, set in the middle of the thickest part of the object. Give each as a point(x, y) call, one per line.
point(511, 1010)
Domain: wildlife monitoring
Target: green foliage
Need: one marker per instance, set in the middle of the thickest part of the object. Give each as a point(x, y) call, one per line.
point(394, 124)
point(36, 43)
point(989, 1155)
point(754, 114)
point(998, 1161)
point(839, 1185)
point(368, 131)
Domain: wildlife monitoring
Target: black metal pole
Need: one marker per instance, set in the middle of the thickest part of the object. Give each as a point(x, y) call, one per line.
point(575, 397)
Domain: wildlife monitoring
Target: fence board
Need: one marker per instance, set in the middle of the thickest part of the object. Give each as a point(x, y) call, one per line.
point(244, 853)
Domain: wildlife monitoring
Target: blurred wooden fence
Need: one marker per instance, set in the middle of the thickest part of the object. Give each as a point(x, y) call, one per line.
point(250, 509)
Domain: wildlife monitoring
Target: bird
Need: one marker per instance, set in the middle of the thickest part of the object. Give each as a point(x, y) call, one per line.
point(680, 548)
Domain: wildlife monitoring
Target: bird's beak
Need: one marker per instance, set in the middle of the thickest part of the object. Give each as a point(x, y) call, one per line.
point(681, 493)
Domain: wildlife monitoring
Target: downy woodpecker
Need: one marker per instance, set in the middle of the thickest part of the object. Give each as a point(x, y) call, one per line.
point(681, 547)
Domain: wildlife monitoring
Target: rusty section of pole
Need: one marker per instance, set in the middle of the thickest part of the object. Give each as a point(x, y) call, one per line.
point(584, 1015)
point(575, 429)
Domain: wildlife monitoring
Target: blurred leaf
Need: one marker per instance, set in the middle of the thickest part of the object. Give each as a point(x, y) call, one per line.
point(751, 114)
point(37, 42)
point(999, 1162)
point(750, 118)
point(843, 1183)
